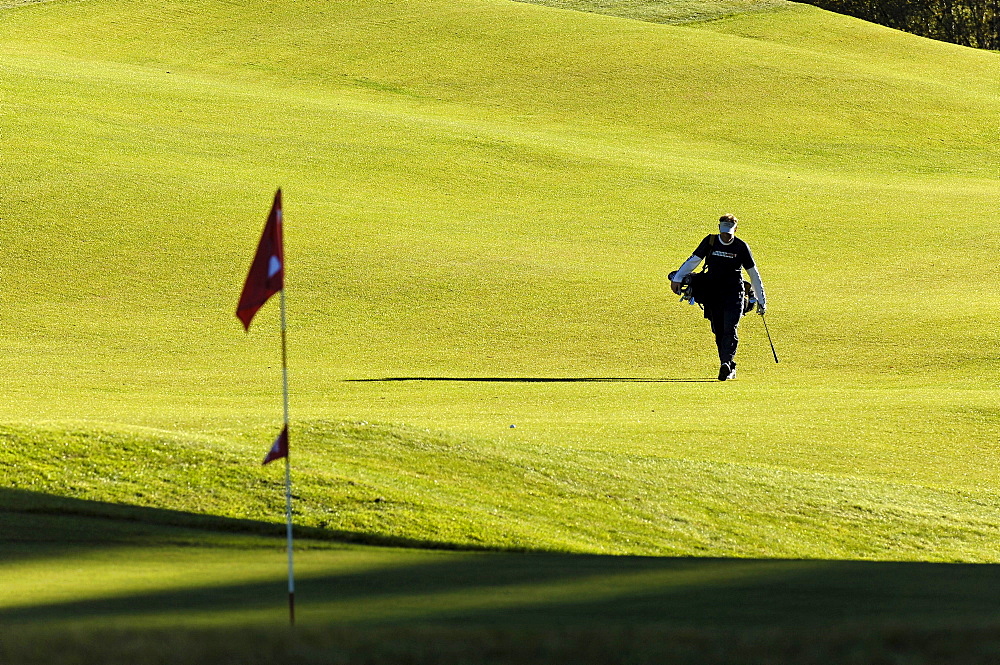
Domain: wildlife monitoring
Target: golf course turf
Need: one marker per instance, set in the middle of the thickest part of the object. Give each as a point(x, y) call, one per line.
point(507, 442)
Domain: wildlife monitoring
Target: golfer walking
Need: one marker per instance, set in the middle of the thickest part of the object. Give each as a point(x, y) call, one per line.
point(724, 255)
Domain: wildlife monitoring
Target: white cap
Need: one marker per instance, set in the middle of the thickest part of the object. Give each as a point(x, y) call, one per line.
point(727, 227)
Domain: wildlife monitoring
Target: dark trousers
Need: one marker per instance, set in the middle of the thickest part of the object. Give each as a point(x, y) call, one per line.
point(725, 315)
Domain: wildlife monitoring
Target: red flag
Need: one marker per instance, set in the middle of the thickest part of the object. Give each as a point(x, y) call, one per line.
point(267, 272)
point(279, 449)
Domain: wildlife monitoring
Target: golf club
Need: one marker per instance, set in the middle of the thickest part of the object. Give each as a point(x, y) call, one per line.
point(769, 338)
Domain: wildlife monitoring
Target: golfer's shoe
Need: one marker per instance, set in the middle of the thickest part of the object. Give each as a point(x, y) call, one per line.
point(727, 371)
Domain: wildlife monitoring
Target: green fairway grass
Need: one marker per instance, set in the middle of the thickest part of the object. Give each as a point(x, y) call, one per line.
point(483, 199)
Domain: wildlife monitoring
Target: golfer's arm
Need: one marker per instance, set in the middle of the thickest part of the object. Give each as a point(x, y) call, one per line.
point(687, 267)
point(758, 286)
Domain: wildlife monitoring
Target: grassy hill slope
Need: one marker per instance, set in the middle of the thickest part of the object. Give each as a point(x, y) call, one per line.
point(494, 192)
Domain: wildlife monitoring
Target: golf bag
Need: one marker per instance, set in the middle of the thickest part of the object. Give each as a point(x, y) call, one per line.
point(696, 289)
point(749, 299)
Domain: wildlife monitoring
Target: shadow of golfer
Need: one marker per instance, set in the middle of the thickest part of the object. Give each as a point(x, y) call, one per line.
point(528, 379)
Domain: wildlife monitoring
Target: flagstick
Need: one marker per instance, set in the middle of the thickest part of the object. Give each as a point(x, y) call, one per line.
point(288, 468)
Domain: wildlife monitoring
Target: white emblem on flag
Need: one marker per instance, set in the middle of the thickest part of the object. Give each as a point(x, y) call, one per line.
point(274, 267)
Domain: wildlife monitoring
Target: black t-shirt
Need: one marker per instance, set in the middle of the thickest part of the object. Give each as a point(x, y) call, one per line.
point(724, 261)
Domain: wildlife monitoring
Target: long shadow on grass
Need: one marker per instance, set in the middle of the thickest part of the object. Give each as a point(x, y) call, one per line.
point(524, 379)
point(493, 589)
point(548, 590)
point(35, 524)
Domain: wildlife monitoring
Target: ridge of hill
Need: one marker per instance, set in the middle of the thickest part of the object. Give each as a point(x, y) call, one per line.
point(668, 11)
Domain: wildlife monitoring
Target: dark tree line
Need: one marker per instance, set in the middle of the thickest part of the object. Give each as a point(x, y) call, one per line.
point(973, 23)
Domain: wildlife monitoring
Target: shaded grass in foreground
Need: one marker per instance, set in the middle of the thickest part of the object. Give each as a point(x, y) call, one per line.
point(525, 590)
point(955, 645)
point(143, 592)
